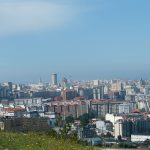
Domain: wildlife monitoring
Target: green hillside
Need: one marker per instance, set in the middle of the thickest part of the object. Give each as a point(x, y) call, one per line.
point(36, 141)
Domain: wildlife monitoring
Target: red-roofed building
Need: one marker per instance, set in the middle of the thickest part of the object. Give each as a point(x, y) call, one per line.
point(13, 112)
point(75, 108)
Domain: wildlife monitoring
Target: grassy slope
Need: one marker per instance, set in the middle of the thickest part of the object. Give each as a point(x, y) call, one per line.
point(35, 141)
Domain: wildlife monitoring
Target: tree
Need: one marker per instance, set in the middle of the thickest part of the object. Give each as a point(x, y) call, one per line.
point(69, 119)
point(119, 138)
point(84, 119)
point(102, 118)
point(147, 142)
point(91, 114)
point(109, 135)
point(59, 120)
point(65, 130)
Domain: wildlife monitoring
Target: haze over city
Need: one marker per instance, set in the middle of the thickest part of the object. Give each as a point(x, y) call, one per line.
point(74, 74)
point(84, 39)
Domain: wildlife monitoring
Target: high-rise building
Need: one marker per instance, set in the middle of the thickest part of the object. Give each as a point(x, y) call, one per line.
point(69, 94)
point(127, 108)
point(102, 107)
point(116, 86)
point(135, 126)
point(54, 79)
point(98, 92)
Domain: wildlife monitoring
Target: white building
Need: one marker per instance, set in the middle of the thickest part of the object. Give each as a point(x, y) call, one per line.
point(28, 101)
point(139, 138)
point(118, 129)
point(106, 89)
point(129, 90)
point(112, 118)
point(54, 79)
point(147, 90)
point(126, 108)
point(101, 125)
point(95, 82)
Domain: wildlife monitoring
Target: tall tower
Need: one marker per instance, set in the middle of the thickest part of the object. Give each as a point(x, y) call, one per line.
point(98, 92)
point(54, 79)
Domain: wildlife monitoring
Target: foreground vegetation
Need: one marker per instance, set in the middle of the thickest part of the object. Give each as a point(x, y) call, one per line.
point(38, 141)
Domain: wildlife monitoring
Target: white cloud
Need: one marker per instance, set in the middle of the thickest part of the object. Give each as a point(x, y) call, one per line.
point(16, 17)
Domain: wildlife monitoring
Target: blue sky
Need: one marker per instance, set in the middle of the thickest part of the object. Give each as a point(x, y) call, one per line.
point(88, 39)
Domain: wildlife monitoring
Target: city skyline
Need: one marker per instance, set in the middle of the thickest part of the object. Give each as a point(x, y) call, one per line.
point(86, 40)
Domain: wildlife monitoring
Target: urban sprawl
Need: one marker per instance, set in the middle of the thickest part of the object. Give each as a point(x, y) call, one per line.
point(98, 111)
